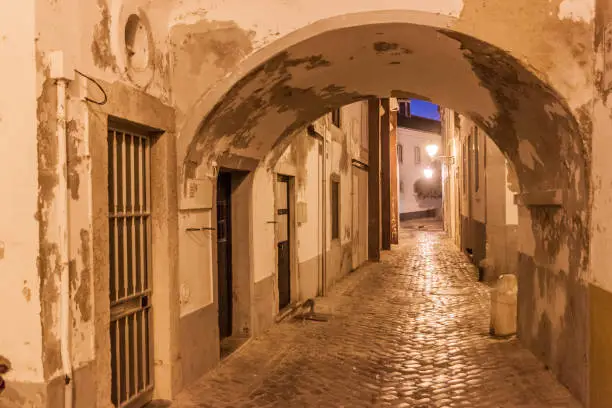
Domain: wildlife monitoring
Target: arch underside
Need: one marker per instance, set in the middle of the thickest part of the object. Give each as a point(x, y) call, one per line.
point(530, 123)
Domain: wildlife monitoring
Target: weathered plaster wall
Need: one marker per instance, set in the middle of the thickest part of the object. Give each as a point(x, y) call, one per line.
point(197, 256)
point(264, 247)
point(20, 341)
point(91, 36)
point(600, 298)
point(96, 39)
point(529, 112)
point(410, 171)
point(602, 176)
point(501, 232)
point(339, 168)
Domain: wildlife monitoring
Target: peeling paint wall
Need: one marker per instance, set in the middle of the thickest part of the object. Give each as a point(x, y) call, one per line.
point(21, 338)
point(92, 37)
point(600, 289)
point(245, 77)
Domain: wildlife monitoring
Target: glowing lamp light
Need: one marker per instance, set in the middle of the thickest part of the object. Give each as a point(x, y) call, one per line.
point(432, 149)
point(428, 173)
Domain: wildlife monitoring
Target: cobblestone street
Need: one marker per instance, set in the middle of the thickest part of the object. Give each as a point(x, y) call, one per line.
point(411, 331)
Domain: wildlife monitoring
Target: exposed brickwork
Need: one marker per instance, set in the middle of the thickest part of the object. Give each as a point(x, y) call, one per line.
point(411, 331)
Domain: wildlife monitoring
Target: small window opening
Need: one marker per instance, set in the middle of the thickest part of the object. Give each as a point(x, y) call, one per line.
point(335, 209)
point(336, 117)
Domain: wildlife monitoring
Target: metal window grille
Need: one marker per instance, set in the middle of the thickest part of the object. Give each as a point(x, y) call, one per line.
point(129, 185)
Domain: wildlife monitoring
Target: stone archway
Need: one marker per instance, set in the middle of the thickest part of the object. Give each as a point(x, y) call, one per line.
point(280, 89)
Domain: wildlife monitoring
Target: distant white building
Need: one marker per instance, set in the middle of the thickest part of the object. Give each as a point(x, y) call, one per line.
point(414, 134)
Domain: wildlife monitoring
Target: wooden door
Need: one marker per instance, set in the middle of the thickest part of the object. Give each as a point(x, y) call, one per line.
point(224, 253)
point(283, 219)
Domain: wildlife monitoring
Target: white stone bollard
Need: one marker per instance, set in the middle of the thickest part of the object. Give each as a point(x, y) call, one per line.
point(503, 306)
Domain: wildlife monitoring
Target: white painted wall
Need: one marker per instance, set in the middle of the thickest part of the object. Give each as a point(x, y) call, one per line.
point(512, 215)
point(410, 171)
point(264, 248)
point(20, 328)
point(196, 269)
point(309, 234)
point(195, 263)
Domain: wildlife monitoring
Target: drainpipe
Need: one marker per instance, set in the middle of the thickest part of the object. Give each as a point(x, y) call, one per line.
point(61, 72)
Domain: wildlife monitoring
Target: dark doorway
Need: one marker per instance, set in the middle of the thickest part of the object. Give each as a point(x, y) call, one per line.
point(224, 253)
point(283, 234)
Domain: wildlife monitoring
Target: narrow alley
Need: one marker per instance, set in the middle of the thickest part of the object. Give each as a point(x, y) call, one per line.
point(411, 331)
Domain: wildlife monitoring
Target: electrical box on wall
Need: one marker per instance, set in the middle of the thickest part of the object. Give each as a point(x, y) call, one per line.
point(301, 213)
point(198, 195)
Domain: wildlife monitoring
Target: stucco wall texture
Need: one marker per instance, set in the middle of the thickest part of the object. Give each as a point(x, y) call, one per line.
point(234, 83)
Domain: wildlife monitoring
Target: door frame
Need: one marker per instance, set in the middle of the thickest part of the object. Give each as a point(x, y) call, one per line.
point(241, 256)
point(294, 294)
point(137, 109)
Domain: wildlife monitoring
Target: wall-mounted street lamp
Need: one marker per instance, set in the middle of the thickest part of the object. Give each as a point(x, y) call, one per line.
point(432, 150)
point(428, 173)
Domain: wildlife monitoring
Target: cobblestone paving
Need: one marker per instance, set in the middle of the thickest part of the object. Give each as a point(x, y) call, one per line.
point(411, 331)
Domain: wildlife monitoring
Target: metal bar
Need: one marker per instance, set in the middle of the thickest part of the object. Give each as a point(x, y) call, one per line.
point(145, 292)
point(143, 253)
point(133, 218)
point(124, 208)
point(128, 214)
point(118, 360)
point(127, 357)
point(133, 157)
point(138, 349)
point(148, 208)
point(136, 399)
point(147, 346)
point(124, 313)
point(141, 209)
point(132, 191)
point(115, 172)
point(147, 167)
point(115, 223)
point(144, 356)
point(134, 353)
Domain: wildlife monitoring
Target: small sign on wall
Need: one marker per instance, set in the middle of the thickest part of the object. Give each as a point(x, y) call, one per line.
point(301, 215)
point(198, 195)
